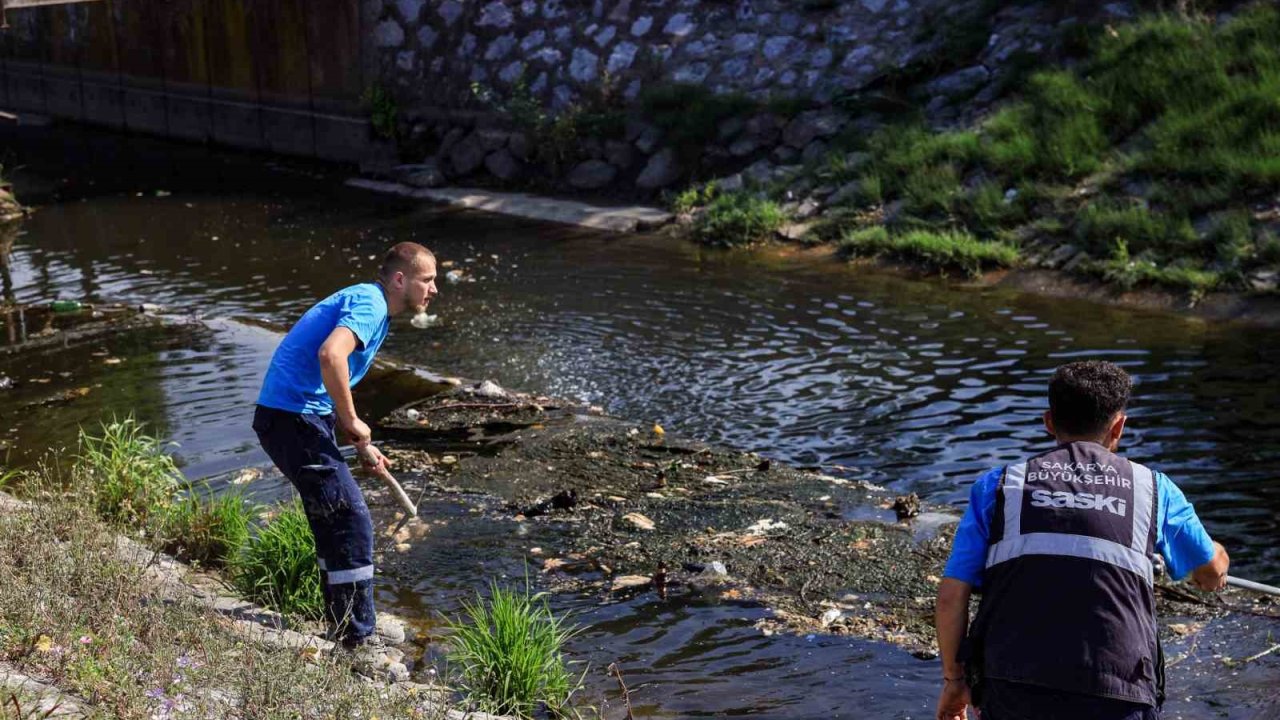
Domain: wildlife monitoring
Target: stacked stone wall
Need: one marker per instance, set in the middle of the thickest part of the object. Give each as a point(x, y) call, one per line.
point(452, 64)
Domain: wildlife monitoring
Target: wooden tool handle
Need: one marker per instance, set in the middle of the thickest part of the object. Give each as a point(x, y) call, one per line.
point(387, 479)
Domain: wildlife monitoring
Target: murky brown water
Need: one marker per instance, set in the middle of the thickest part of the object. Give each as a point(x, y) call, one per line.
point(915, 385)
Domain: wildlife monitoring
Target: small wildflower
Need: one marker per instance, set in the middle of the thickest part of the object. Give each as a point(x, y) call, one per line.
point(85, 640)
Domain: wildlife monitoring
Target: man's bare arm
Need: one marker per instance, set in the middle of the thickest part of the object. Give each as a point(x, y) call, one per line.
point(952, 621)
point(1213, 574)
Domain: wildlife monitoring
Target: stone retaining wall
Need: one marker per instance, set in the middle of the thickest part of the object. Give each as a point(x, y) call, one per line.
point(448, 63)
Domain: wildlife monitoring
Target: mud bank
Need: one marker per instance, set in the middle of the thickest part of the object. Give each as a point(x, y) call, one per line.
point(622, 508)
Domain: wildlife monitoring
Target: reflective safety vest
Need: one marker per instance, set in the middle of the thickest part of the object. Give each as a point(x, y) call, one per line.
point(1067, 593)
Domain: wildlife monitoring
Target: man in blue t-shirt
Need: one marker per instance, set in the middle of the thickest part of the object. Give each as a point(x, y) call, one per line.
point(306, 395)
point(1061, 547)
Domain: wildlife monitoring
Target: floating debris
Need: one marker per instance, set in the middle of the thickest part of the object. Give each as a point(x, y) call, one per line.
point(906, 506)
point(624, 582)
point(639, 521)
point(422, 321)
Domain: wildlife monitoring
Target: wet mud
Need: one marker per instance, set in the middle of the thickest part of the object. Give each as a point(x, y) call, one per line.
point(623, 509)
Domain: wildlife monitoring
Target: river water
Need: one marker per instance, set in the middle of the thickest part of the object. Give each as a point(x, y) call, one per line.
point(916, 385)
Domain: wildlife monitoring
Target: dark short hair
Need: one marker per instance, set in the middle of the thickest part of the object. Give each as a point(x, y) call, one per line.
point(1085, 396)
point(401, 257)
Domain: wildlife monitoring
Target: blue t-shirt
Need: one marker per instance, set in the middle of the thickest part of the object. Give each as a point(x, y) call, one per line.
point(293, 381)
point(1180, 538)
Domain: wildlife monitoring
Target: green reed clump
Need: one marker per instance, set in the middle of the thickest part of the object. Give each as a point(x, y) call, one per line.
point(277, 568)
point(126, 473)
point(207, 529)
point(509, 654)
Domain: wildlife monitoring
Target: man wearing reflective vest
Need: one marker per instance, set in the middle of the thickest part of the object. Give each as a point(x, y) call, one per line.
point(1062, 547)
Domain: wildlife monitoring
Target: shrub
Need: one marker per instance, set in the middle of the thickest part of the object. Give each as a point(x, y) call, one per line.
point(1151, 66)
point(278, 567)
point(126, 472)
point(693, 197)
point(949, 250)
point(509, 653)
point(1101, 225)
point(898, 151)
point(1054, 133)
point(1127, 272)
point(930, 191)
point(208, 530)
point(738, 219)
point(986, 208)
point(1011, 144)
point(1064, 115)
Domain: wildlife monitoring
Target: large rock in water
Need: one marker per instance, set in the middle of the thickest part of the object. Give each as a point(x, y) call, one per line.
point(662, 170)
point(592, 174)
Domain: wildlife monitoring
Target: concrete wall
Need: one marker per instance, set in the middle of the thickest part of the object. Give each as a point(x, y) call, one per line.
point(279, 75)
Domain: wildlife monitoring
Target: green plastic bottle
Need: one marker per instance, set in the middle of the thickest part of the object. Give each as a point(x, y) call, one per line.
point(66, 305)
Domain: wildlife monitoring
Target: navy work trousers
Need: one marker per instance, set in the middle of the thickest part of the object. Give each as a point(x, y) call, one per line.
point(1003, 700)
point(305, 449)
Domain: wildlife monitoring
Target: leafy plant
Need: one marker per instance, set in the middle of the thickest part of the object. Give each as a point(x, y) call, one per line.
point(384, 111)
point(694, 196)
point(738, 219)
point(130, 478)
point(509, 653)
point(948, 250)
point(207, 529)
point(278, 567)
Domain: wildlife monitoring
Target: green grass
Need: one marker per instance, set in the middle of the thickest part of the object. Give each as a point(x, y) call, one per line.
point(73, 611)
point(738, 219)
point(1188, 109)
point(943, 251)
point(131, 480)
point(125, 476)
point(277, 568)
point(1100, 225)
point(508, 652)
point(207, 529)
point(693, 197)
point(1127, 272)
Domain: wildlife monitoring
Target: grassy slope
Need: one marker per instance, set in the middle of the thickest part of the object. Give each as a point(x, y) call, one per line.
point(1168, 121)
point(1149, 156)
